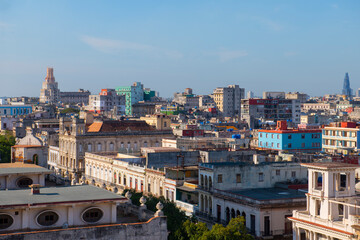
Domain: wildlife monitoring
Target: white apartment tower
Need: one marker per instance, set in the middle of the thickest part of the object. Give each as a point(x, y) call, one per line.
point(49, 92)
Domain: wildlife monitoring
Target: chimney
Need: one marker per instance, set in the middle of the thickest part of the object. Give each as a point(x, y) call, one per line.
point(35, 189)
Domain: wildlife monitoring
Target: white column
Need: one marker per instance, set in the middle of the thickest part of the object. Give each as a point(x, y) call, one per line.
point(25, 218)
point(113, 213)
point(70, 216)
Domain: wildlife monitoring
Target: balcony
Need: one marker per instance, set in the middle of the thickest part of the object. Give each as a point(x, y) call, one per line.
point(187, 207)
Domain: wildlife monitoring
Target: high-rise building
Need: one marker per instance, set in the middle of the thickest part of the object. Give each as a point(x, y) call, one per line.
point(133, 94)
point(346, 87)
point(50, 91)
point(228, 100)
point(107, 100)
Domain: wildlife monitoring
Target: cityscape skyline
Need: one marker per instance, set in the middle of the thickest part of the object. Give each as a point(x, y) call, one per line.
point(259, 47)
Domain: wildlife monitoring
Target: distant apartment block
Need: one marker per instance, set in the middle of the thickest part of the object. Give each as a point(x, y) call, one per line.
point(133, 94)
point(79, 97)
point(228, 100)
point(317, 106)
point(340, 138)
point(107, 100)
point(284, 139)
point(187, 99)
point(15, 110)
point(256, 111)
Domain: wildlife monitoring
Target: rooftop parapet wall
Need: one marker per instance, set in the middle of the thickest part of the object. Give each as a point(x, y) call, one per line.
point(155, 228)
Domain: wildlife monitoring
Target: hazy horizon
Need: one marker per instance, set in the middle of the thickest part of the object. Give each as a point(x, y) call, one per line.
point(169, 46)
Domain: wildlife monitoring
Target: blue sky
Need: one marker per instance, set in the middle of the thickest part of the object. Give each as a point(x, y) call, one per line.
point(170, 45)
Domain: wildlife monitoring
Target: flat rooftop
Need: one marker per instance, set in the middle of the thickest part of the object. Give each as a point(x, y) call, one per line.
point(275, 193)
point(329, 165)
point(56, 195)
point(21, 168)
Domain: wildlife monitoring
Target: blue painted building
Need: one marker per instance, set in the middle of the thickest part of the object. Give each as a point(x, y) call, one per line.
point(15, 110)
point(290, 139)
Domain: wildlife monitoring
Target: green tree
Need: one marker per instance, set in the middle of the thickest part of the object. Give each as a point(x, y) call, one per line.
point(195, 230)
point(69, 110)
point(6, 141)
point(233, 231)
point(175, 217)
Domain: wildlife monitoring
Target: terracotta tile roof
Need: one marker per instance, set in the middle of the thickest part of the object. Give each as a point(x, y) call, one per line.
point(95, 127)
point(116, 126)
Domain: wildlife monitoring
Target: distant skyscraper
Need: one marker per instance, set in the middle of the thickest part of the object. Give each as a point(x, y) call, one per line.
point(346, 88)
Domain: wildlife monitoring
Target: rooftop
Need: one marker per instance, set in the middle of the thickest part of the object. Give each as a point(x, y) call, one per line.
point(21, 168)
point(269, 193)
point(329, 165)
point(124, 125)
point(57, 195)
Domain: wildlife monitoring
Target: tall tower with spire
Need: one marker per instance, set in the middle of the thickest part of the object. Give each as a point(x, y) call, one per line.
point(50, 91)
point(346, 87)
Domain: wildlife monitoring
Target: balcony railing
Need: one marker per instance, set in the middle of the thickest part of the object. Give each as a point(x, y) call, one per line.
point(187, 207)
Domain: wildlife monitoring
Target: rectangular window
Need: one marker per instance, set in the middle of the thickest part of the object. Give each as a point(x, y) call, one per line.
point(219, 178)
point(278, 172)
point(302, 145)
point(289, 145)
point(289, 136)
point(303, 136)
point(278, 136)
point(238, 178)
point(278, 145)
point(293, 174)
point(261, 177)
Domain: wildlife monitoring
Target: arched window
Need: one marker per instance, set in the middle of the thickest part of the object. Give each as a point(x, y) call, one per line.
point(99, 147)
point(145, 144)
point(244, 216)
point(237, 213)
point(5, 221)
point(80, 147)
point(47, 218)
point(111, 146)
point(92, 215)
point(227, 215)
point(232, 213)
point(24, 182)
point(36, 159)
point(202, 203)
point(157, 144)
point(89, 147)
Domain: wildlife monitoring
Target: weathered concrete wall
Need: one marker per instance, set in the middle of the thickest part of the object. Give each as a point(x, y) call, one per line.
point(169, 159)
point(155, 228)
